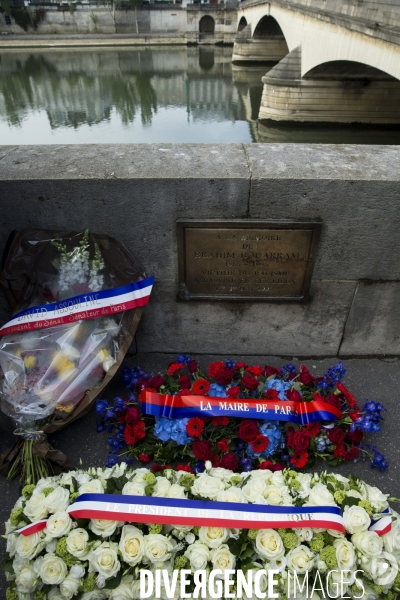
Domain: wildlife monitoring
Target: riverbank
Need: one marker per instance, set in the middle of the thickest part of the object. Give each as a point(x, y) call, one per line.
point(92, 40)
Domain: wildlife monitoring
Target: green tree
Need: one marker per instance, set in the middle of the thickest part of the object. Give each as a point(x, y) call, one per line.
point(135, 4)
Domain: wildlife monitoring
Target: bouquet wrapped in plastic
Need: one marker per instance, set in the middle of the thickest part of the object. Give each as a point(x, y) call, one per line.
point(78, 299)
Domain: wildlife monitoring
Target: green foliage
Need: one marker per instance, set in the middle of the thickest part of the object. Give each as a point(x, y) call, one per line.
point(27, 19)
point(88, 584)
point(328, 555)
point(62, 552)
point(114, 582)
point(28, 490)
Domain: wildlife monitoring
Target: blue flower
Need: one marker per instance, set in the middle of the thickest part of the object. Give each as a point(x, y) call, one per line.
point(279, 385)
point(163, 429)
point(335, 373)
point(101, 406)
point(276, 439)
point(172, 429)
point(182, 358)
point(229, 364)
point(199, 467)
point(246, 464)
point(217, 390)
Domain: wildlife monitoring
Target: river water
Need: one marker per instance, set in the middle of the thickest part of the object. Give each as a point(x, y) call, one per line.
point(143, 95)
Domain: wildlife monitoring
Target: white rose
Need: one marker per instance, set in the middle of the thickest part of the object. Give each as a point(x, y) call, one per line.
point(190, 538)
point(28, 546)
point(277, 479)
point(77, 571)
point(52, 545)
point(161, 487)
point(232, 494)
point(269, 544)
point(198, 555)
point(136, 590)
point(133, 488)
point(300, 559)
point(305, 534)
point(391, 540)
point(355, 519)
point(213, 536)
point(157, 547)
point(207, 486)
point(69, 587)
point(320, 496)
point(58, 524)
point(95, 595)
point(264, 474)
point(305, 481)
point(222, 474)
point(254, 489)
point(123, 591)
point(343, 480)
point(77, 542)
point(52, 569)
point(25, 579)
point(104, 560)
point(377, 499)
point(345, 555)
point(91, 487)
point(55, 594)
point(57, 500)
point(368, 542)
point(140, 474)
point(82, 478)
point(176, 491)
point(35, 509)
point(222, 559)
point(11, 544)
point(103, 527)
point(131, 545)
point(116, 471)
point(277, 496)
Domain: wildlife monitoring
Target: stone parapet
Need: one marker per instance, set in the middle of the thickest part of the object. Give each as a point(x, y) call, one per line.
point(137, 192)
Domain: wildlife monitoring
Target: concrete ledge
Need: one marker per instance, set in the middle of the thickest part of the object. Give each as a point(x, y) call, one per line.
point(137, 192)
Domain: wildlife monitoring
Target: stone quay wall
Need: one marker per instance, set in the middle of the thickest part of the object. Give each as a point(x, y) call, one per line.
point(151, 19)
point(137, 192)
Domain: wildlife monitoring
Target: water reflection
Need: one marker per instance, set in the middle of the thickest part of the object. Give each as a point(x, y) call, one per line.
point(163, 94)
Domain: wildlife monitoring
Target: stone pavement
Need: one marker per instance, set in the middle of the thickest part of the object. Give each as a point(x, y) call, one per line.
point(375, 379)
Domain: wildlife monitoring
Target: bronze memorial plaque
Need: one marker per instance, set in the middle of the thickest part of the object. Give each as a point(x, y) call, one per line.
point(246, 259)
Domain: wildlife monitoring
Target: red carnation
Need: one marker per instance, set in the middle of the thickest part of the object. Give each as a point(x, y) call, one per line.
point(223, 445)
point(132, 415)
point(278, 467)
point(355, 437)
point(129, 435)
point(354, 414)
point(248, 430)
point(293, 395)
point(271, 394)
point(240, 365)
point(340, 451)
point(266, 464)
point(144, 457)
point(215, 367)
point(349, 397)
point(158, 468)
point(299, 440)
point(139, 430)
point(313, 428)
point(336, 436)
point(195, 426)
point(305, 376)
point(333, 400)
point(202, 449)
point(352, 453)
point(299, 460)
point(229, 461)
point(250, 382)
point(156, 382)
point(260, 444)
point(174, 368)
point(256, 371)
point(184, 468)
point(224, 376)
point(192, 366)
point(184, 382)
point(233, 392)
point(215, 460)
point(224, 421)
point(271, 371)
point(201, 387)
point(142, 383)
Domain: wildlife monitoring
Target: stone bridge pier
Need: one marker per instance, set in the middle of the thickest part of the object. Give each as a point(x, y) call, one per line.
point(337, 63)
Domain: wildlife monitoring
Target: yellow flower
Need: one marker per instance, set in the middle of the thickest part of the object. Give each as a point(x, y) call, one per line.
point(66, 369)
point(29, 362)
point(62, 364)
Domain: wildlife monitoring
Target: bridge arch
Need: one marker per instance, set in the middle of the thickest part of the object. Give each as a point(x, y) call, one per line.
point(242, 24)
point(268, 27)
point(347, 70)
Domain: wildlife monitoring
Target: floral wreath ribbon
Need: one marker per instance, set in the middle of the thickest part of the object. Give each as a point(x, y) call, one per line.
point(176, 511)
point(180, 407)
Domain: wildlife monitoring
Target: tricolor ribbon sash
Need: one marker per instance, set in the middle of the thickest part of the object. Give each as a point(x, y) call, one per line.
point(179, 407)
point(382, 525)
point(82, 307)
point(175, 511)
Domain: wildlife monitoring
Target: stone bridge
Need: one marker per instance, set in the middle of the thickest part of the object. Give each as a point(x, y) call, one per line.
point(339, 60)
